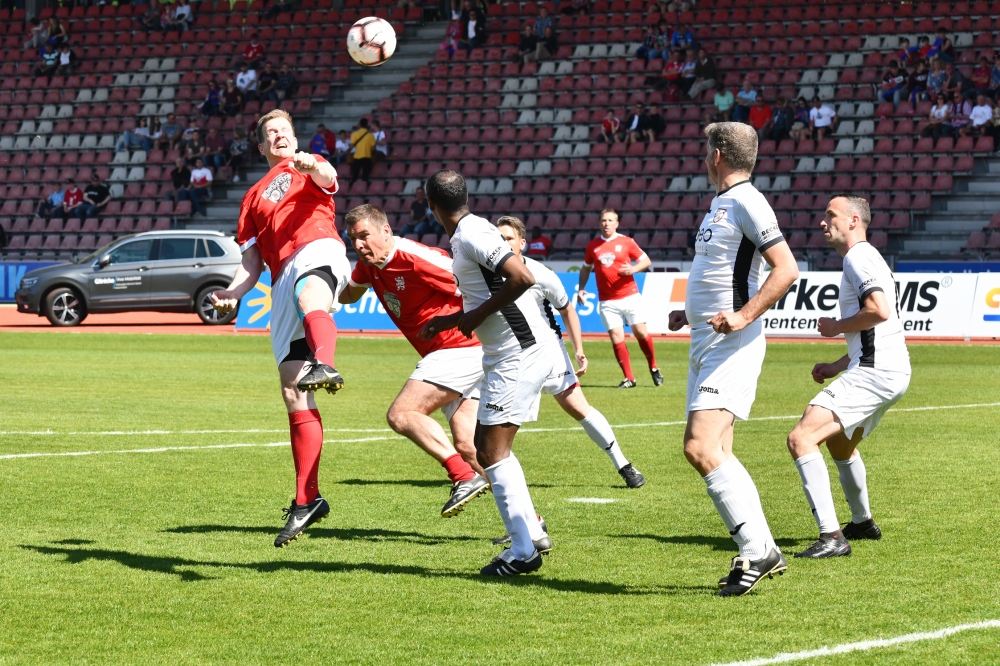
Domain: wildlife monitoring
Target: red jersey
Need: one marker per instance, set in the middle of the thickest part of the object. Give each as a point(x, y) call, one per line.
point(73, 197)
point(253, 52)
point(612, 254)
point(539, 247)
point(285, 210)
point(414, 285)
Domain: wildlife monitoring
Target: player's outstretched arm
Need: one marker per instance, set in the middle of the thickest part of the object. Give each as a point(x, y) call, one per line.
point(247, 274)
point(321, 171)
point(584, 276)
point(352, 293)
point(823, 371)
point(572, 322)
point(784, 271)
point(874, 311)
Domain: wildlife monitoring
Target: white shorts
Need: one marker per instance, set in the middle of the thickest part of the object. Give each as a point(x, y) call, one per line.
point(286, 321)
point(724, 369)
point(563, 376)
point(629, 310)
point(861, 396)
point(458, 370)
point(512, 384)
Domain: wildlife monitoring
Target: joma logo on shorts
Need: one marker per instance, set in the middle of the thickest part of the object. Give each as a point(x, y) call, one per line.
point(829, 393)
point(495, 408)
point(708, 389)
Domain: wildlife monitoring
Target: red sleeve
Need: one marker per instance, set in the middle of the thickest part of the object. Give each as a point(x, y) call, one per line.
point(360, 276)
point(246, 230)
point(588, 255)
point(435, 274)
point(634, 251)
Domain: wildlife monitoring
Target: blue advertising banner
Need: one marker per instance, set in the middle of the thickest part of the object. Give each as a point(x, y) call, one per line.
point(11, 274)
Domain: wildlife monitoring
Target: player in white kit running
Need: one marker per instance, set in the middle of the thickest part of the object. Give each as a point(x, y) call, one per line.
point(725, 297)
point(516, 360)
point(875, 375)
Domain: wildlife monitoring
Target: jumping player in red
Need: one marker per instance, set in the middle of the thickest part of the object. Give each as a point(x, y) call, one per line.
point(415, 283)
point(610, 257)
point(287, 220)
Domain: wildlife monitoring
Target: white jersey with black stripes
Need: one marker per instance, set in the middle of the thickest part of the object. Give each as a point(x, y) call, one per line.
point(882, 347)
point(479, 251)
point(548, 292)
point(728, 266)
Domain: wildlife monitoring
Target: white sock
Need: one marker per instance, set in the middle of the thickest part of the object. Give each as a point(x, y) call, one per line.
point(736, 499)
point(599, 430)
point(816, 484)
point(854, 481)
point(510, 491)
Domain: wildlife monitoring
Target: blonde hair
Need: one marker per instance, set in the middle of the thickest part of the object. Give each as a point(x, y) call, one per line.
point(514, 223)
point(736, 143)
point(271, 115)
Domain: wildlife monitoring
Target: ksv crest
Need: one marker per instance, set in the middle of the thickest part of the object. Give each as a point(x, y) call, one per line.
point(392, 303)
point(275, 191)
point(606, 258)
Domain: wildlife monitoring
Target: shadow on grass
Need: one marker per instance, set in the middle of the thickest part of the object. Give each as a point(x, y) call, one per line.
point(724, 544)
point(180, 567)
point(416, 483)
point(329, 533)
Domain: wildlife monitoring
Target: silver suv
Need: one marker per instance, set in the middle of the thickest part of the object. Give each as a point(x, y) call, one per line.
point(161, 271)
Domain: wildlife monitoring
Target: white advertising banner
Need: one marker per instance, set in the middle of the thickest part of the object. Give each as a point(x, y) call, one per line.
point(930, 304)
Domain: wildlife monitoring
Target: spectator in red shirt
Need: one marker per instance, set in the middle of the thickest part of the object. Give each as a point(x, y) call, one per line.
point(72, 198)
point(760, 117)
point(672, 71)
point(980, 81)
point(253, 52)
point(610, 128)
point(539, 245)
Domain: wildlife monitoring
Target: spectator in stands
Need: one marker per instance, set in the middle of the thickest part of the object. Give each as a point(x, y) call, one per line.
point(936, 79)
point(724, 102)
point(253, 52)
point(682, 39)
point(636, 124)
point(239, 150)
point(420, 216)
point(232, 99)
point(343, 147)
point(661, 47)
point(381, 142)
point(781, 121)
point(960, 112)
point(704, 74)
point(194, 148)
point(267, 84)
point(181, 18)
point(995, 77)
point(745, 98)
point(318, 143)
point(52, 206)
point(893, 81)
point(923, 48)
point(542, 22)
point(545, 47)
point(655, 124)
point(201, 186)
point(213, 101)
point(761, 117)
point(215, 148)
point(246, 81)
point(979, 81)
point(539, 245)
point(527, 44)
point(646, 48)
point(57, 33)
point(916, 85)
point(172, 131)
point(278, 7)
point(800, 123)
point(939, 118)
point(49, 63)
point(610, 127)
point(38, 34)
point(155, 132)
point(95, 198)
point(180, 179)
point(72, 198)
point(329, 137)
point(688, 73)
point(150, 19)
point(286, 85)
point(192, 128)
point(980, 119)
point(994, 130)
point(671, 77)
point(955, 81)
point(907, 55)
point(66, 61)
point(452, 34)
point(138, 137)
point(362, 147)
point(570, 7)
point(822, 119)
point(942, 48)
point(473, 32)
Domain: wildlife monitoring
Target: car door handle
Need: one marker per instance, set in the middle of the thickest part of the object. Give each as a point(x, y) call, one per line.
point(199, 265)
point(143, 268)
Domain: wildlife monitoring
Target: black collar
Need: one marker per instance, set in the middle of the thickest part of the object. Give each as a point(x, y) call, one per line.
point(732, 186)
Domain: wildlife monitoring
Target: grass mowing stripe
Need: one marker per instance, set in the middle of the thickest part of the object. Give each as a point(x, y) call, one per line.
point(163, 449)
point(865, 645)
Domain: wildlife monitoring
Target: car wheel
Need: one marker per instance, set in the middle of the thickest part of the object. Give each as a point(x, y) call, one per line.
point(209, 315)
point(64, 307)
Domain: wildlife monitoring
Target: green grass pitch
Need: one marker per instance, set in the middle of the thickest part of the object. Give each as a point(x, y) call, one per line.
point(166, 557)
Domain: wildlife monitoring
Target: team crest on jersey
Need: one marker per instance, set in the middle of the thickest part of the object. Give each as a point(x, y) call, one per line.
point(720, 214)
point(392, 303)
point(606, 258)
point(275, 191)
point(618, 248)
point(400, 284)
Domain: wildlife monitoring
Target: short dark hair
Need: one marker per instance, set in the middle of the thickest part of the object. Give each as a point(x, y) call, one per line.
point(446, 189)
point(859, 206)
point(514, 223)
point(363, 122)
point(373, 214)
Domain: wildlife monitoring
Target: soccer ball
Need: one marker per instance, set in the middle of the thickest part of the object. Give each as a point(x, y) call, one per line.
point(371, 41)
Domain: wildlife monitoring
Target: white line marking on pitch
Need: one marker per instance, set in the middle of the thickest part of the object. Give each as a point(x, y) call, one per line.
point(591, 500)
point(163, 449)
point(861, 646)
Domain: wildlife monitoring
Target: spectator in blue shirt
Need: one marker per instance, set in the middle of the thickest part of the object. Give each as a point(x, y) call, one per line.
point(682, 39)
point(52, 206)
point(745, 98)
point(542, 22)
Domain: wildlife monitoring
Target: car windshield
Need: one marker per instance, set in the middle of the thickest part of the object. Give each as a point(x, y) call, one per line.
point(95, 254)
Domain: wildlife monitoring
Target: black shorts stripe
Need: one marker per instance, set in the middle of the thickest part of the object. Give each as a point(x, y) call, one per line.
point(325, 273)
point(867, 340)
point(298, 350)
point(741, 273)
point(515, 318)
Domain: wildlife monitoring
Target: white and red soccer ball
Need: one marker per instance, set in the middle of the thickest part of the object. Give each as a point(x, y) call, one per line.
point(371, 41)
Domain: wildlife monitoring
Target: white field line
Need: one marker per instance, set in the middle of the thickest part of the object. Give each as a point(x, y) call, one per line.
point(591, 500)
point(862, 646)
point(162, 449)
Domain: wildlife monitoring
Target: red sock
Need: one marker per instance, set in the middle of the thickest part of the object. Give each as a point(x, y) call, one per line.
point(621, 353)
point(321, 336)
point(646, 345)
point(458, 469)
point(307, 443)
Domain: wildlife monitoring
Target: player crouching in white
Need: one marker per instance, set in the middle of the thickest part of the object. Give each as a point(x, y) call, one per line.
point(723, 303)
point(288, 221)
point(562, 384)
point(876, 373)
point(516, 358)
